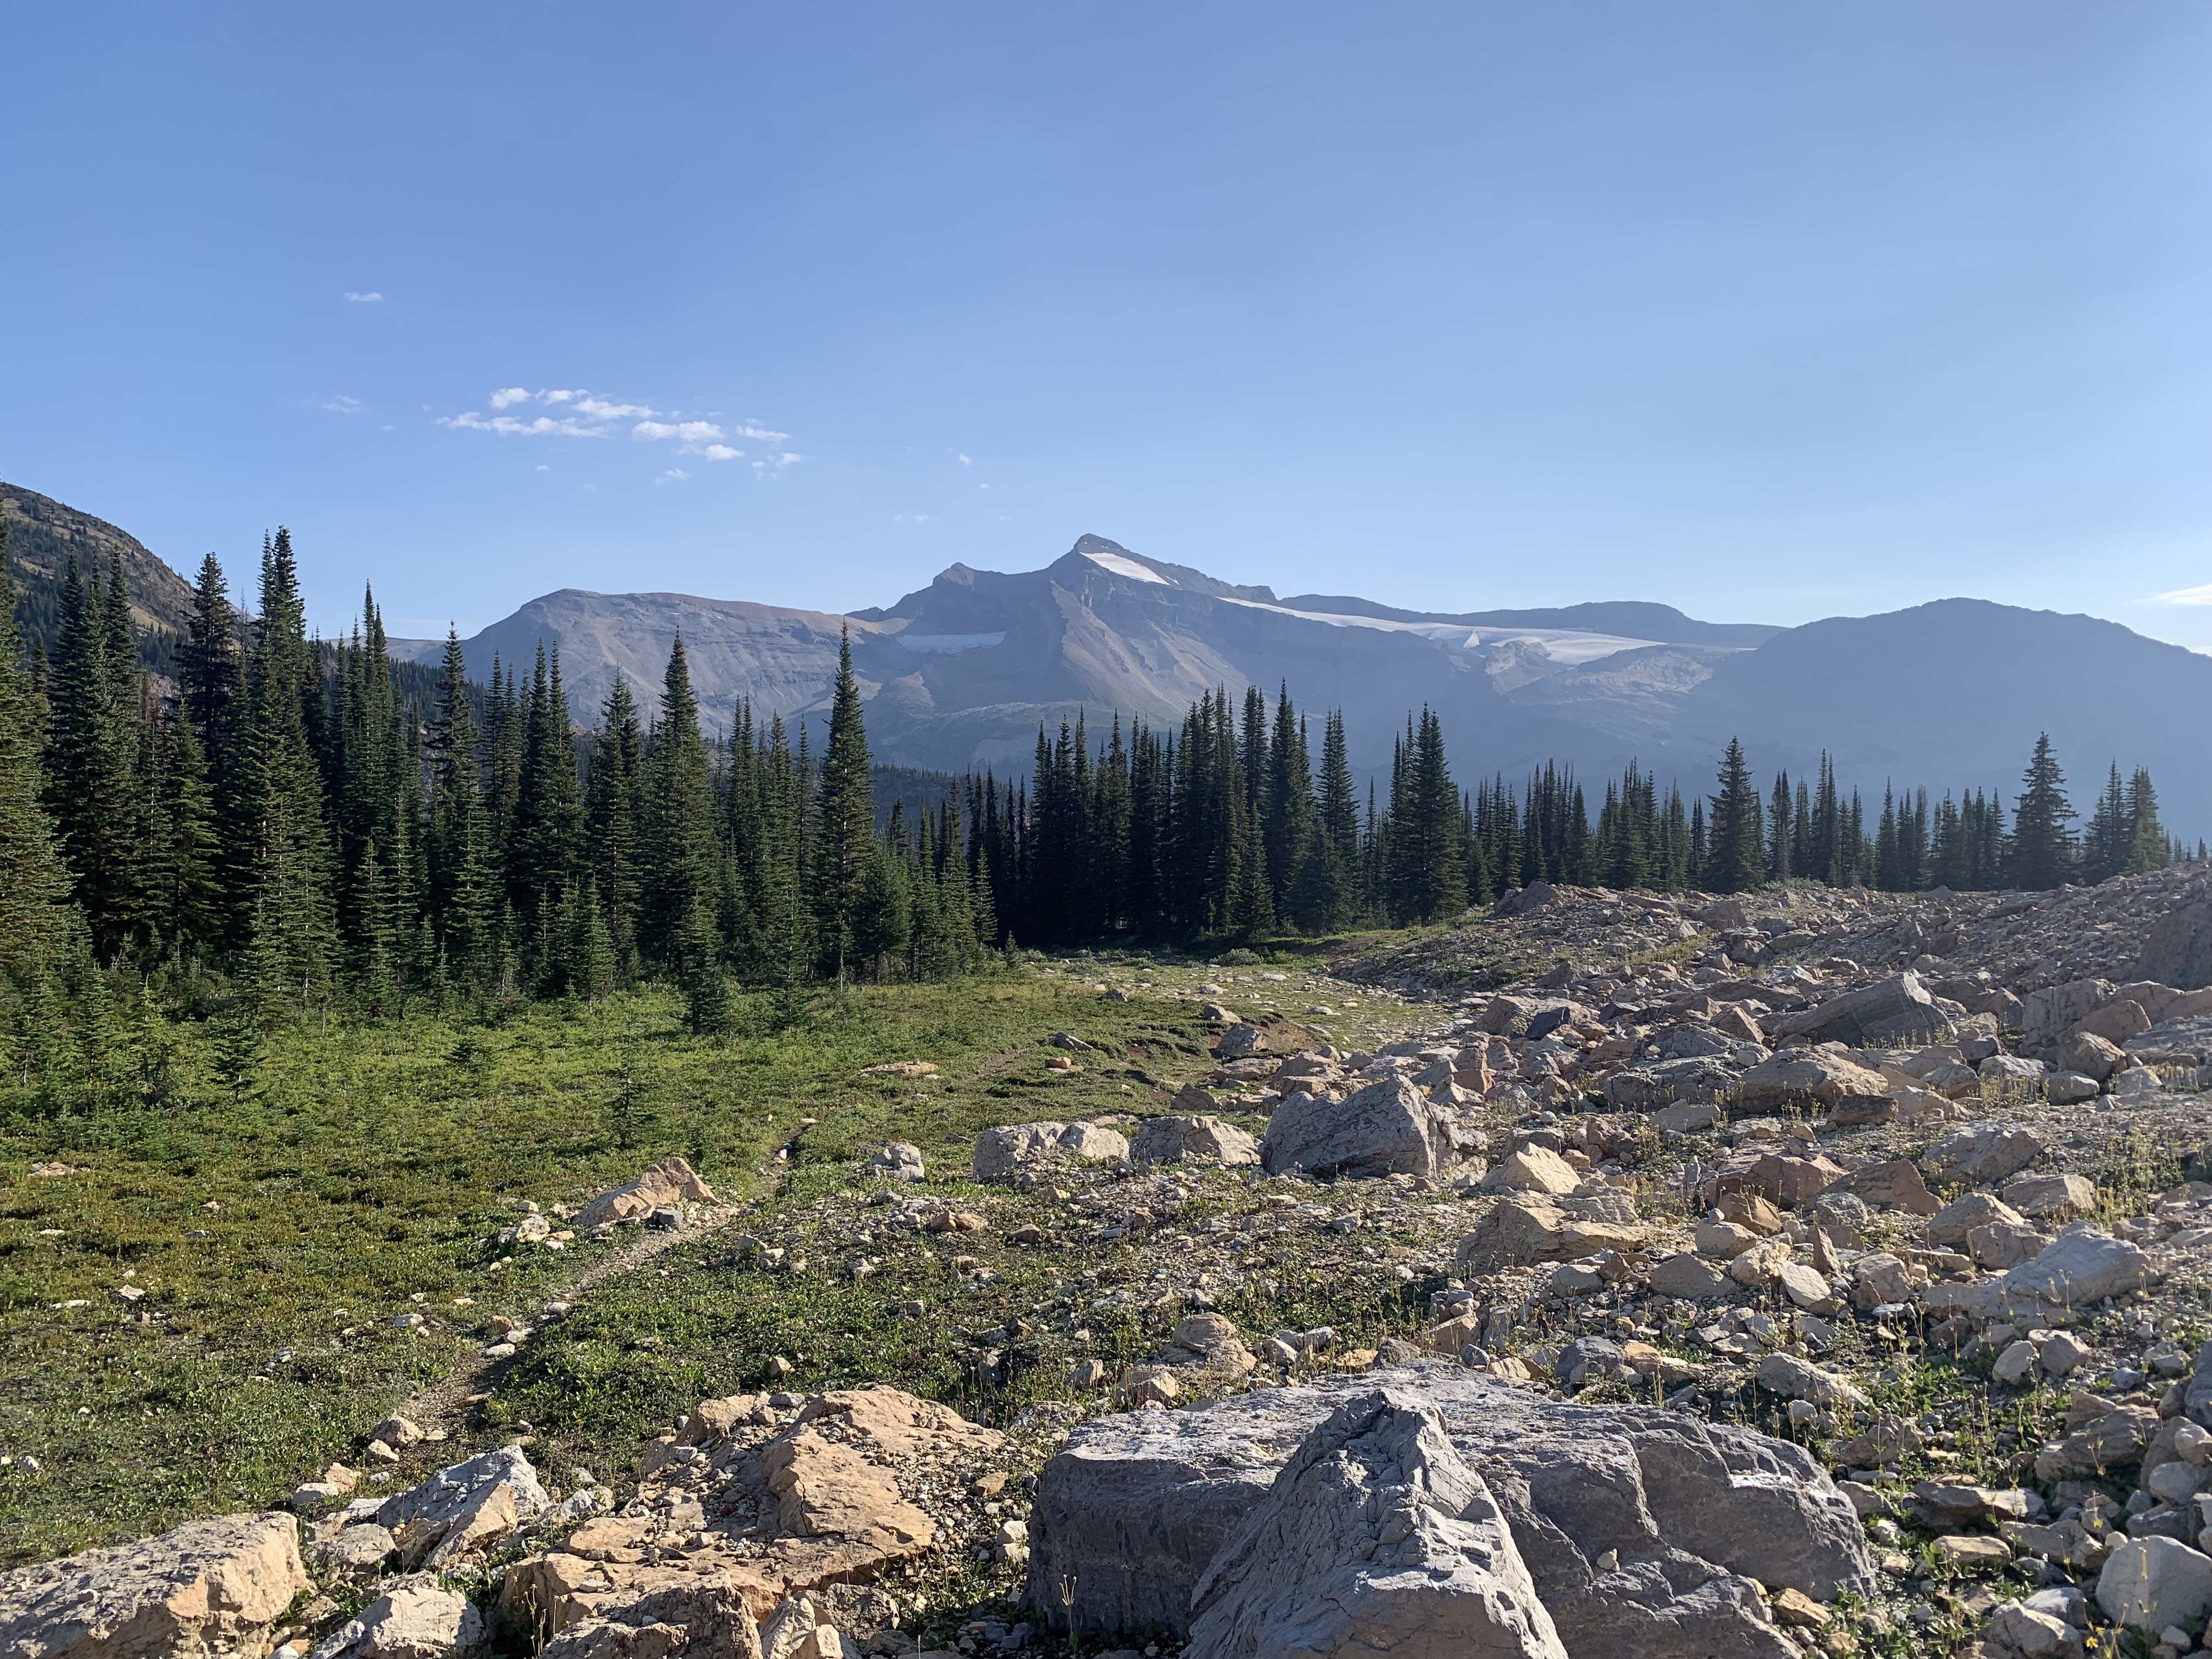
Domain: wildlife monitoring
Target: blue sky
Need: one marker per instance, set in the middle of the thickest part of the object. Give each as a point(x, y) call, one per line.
point(1772, 313)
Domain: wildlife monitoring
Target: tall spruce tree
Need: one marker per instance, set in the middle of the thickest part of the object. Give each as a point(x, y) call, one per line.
point(1735, 857)
point(844, 831)
point(2042, 854)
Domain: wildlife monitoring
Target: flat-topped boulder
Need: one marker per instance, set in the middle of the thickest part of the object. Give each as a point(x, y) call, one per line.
point(214, 1586)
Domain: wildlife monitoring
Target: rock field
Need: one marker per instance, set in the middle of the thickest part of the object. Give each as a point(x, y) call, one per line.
point(1798, 1273)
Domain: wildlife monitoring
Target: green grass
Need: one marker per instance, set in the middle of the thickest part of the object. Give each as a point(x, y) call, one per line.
point(376, 1162)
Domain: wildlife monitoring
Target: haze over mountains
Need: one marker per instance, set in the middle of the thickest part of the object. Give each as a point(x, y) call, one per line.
point(961, 672)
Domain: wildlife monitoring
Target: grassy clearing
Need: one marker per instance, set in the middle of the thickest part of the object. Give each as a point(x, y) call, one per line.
point(277, 1239)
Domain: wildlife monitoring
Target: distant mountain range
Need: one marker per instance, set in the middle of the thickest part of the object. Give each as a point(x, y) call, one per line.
point(961, 672)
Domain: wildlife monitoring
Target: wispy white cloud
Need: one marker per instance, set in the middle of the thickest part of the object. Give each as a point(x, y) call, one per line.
point(910, 518)
point(343, 404)
point(371, 298)
point(2186, 596)
point(965, 460)
point(774, 464)
point(691, 432)
point(578, 413)
point(674, 474)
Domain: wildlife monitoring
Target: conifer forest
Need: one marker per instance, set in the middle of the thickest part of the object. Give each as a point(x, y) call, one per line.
point(282, 831)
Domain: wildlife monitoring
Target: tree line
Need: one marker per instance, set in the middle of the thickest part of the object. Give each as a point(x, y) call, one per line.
point(311, 826)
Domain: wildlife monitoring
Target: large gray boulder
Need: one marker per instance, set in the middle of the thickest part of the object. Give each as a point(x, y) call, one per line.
point(1201, 1137)
point(412, 1621)
point(1016, 1149)
point(1698, 1080)
point(1797, 1076)
point(1376, 1537)
point(1896, 1010)
point(209, 1586)
point(1389, 1127)
point(2178, 951)
point(473, 1505)
point(1983, 1153)
point(1642, 1529)
point(2047, 1014)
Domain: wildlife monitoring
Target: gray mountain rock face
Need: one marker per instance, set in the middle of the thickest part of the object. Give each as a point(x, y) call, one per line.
point(1642, 1530)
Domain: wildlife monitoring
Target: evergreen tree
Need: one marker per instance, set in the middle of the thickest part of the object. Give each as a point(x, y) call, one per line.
point(284, 863)
point(2042, 853)
point(461, 883)
point(681, 850)
point(2149, 847)
point(1425, 877)
point(613, 809)
point(844, 839)
point(1734, 858)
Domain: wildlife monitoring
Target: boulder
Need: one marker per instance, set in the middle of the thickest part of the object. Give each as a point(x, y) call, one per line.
point(1983, 1152)
point(1533, 1169)
point(2114, 1440)
point(2047, 1014)
point(1389, 1127)
point(1799, 1075)
point(1798, 1379)
point(1643, 1531)
point(2116, 1022)
point(2004, 1244)
point(2177, 950)
point(1538, 895)
point(2069, 1088)
point(1016, 1149)
point(1896, 1185)
point(2152, 1583)
point(2056, 1198)
point(1780, 1177)
point(1199, 1139)
point(671, 1182)
point(896, 1160)
point(464, 1508)
point(210, 1586)
point(1375, 1537)
point(2079, 1267)
point(1695, 1081)
point(1524, 1228)
point(1680, 1119)
point(1241, 1041)
point(1949, 1225)
point(1896, 1010)
point(2090, 1055)
point(688, 1616)
point(1689, 1277)
point(412, 1621)
point(2011, 1068)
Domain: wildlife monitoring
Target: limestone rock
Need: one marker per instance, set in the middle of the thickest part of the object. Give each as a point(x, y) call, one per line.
point(211, 1586)
point(686, 1617)
point(1524, 1228)
point(2079, 1267)
point(1798, 1075)
point(1698, 1080)
point(1533, 1169)
point(2090, 1055)
point(2115, 1440)
point(1796, 1379)
point(2056, 1198)
point(1687, 1277)
point(472, 1505)
point(896, 1160)
point(1201, 1138)
point(414, 1621)
point(1389, 1127)
point(1641, 1529)
point(2047, 1014)
point(1896, 1185)
point(1027, 1148)
point(1895, 1010)
point(1375, 1537)
point(1983, 1152)
point(1949, 1225)
point(671, 1182)
point(1241, 1041)
point(2150, 1583)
